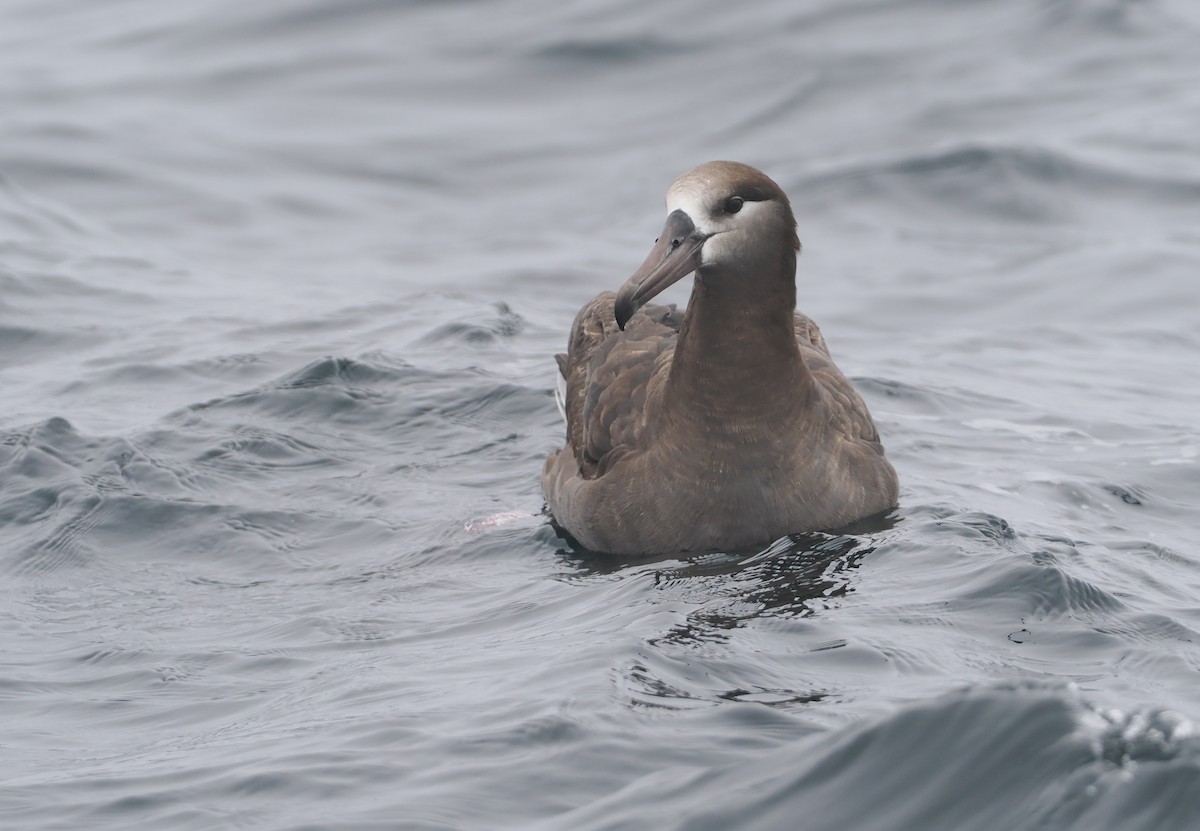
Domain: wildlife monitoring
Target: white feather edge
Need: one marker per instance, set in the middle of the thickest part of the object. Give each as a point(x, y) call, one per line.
point(560, 395)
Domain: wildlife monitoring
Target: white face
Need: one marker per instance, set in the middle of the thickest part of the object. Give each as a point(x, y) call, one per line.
point(704, 205)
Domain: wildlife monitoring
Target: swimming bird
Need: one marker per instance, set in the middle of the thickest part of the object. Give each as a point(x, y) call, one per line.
point(725, 427)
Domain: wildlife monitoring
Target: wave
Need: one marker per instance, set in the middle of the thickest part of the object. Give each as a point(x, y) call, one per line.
point(995, 182)
point(1017, 758)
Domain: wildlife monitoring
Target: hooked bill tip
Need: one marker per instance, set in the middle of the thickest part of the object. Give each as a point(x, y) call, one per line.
point(622, 311)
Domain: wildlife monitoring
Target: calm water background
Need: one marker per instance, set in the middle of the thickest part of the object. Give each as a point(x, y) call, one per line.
point(280, 283)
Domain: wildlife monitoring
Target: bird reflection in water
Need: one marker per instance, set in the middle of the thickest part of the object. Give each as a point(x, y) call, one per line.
point(795, 577)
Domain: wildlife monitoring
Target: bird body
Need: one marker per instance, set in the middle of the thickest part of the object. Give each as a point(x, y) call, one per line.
point(724, 427)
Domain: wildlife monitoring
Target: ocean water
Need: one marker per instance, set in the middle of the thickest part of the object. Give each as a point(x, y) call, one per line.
point(280, 286)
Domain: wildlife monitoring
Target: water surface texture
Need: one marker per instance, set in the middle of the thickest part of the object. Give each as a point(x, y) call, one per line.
point(280, 286)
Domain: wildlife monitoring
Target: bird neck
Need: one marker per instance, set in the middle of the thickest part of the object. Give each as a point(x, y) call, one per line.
point(736, 361)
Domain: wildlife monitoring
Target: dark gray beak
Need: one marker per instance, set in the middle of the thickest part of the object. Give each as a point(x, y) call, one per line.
point(675, 255)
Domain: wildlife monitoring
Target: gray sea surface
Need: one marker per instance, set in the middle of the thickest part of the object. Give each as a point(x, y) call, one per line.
point(280, 288)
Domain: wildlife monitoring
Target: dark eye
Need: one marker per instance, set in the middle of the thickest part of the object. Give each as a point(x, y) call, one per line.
point(734, 204)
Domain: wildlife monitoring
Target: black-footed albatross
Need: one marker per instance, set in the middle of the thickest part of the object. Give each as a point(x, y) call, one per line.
point(725, 428)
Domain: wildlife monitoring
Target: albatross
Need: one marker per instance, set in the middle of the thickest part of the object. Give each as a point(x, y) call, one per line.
point(727, 426)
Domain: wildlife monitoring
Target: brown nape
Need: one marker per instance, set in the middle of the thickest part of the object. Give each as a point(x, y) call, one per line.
point(726, 426)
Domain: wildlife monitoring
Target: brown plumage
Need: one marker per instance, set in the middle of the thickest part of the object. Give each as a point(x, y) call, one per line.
point(727, 426)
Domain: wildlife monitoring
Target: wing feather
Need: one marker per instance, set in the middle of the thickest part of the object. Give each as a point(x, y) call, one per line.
point(852, 416)
point(613, 378)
